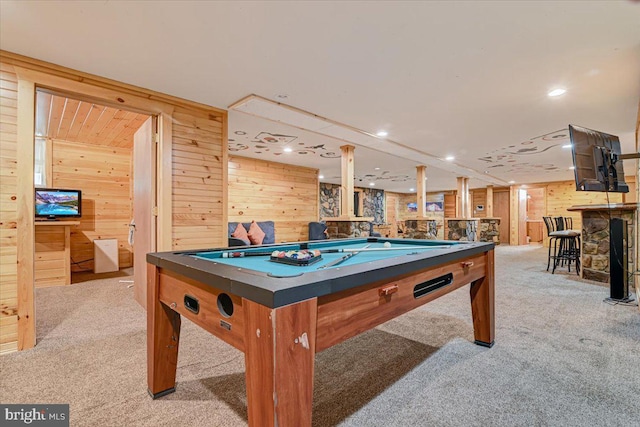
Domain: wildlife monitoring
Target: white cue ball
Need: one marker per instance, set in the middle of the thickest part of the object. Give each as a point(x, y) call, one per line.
point(387, 244)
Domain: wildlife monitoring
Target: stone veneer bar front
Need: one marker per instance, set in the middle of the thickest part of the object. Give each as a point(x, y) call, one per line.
point(594, 251)
point(463, 229)
point(342, 228)
point(489, 230)
point(422, 228)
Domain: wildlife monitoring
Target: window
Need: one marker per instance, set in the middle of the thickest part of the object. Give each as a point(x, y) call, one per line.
point(40, 162)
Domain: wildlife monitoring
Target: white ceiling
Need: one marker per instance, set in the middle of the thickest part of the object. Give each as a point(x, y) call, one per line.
point(467, 79)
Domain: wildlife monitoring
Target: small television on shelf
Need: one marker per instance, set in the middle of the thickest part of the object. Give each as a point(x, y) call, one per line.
point(53, 203)
point(596, 162)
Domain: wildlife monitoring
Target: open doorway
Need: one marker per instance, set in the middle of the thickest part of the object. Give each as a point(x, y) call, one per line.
point(536, 208)
point(96, 150)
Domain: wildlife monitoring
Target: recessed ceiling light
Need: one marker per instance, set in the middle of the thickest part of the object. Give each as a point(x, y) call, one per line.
point(287, 150)
point(321, 176)
point(382, 133)
point(371, 184)
point(512, 182)
point(572, 168)
point(566, 146)
point(412, 189)
point(376, 169)
point(556, 92)
point(449, 158)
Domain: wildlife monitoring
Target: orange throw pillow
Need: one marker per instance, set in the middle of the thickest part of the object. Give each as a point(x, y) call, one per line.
point(256, 235)
point(240, 233)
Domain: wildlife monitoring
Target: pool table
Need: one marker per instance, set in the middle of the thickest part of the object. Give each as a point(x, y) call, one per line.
point(281, 315)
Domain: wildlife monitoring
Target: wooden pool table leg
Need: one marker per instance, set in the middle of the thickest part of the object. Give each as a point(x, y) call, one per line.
point(279, 357)
point(482, 305)
point(163, 335)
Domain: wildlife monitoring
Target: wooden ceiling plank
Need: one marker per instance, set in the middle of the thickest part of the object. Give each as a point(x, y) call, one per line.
point(111, 131)
point(81, 115)
point(100, 124)
point(57, 109)
point(89, 123)
point(125, 137)
point(70, 111)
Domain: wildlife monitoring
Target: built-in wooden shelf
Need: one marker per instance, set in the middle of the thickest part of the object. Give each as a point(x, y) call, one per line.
point(57, 223)
point(52, 263)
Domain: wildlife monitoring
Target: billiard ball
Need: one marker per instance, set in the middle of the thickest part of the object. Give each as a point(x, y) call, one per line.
point(387, 244)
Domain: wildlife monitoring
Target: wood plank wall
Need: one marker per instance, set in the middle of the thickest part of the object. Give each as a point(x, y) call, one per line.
point(478, 197)
point(536, 204)
point(104, 176)
point(199, 179)
point(561, 195)
point(8, 209)
point(193, 213)
point(269, 191)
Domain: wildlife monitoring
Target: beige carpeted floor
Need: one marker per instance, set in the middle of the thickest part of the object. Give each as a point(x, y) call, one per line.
point(562, 357)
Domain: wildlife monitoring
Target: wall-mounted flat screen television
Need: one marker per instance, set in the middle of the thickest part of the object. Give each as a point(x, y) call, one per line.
point(596, 162)
point(54, 203)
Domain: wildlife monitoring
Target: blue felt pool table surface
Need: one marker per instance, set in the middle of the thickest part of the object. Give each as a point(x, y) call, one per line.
point(375, 251)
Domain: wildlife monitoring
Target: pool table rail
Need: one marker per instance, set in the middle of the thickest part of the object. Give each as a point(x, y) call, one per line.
point(346, 314)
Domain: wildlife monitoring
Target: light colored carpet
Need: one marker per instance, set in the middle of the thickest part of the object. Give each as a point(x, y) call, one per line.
point(562, 357)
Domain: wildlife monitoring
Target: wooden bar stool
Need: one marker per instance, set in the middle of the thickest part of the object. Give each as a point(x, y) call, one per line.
point(566, 245)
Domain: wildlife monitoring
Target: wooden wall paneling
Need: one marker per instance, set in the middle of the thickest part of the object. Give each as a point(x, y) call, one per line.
point(51, 260)
point(479, 198)
point(86, 86)
point(450, 210)
point(104, 176)
point(25, 214)
point(198, 175)
point(501, 207)
point(391, 213)
point(450, 207)
point(8, 209)
point(561, 195)
point(269, 191)
point(536, 203)
point(631, 196)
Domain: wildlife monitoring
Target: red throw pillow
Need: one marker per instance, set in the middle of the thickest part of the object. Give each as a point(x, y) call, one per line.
point(240, 233)
point(256, 235)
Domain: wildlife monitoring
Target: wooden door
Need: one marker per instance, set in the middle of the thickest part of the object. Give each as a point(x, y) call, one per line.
point(144, 201)
point(501, 210)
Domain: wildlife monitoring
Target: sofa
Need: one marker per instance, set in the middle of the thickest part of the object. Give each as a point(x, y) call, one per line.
point(267, 227)
point(318, 231)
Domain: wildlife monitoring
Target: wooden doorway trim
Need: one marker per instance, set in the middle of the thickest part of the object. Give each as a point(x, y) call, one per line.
point(104, 93)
